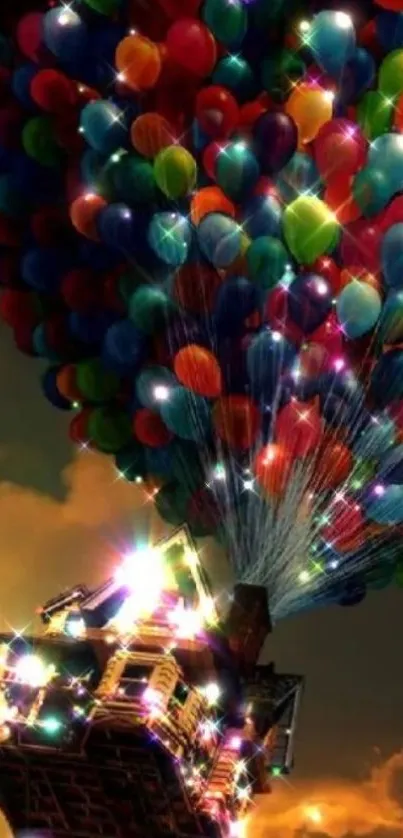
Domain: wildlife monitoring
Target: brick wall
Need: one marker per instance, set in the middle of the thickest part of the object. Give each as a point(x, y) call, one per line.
point(121, 788)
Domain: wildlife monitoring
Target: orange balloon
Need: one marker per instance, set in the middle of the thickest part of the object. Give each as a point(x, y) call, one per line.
point(138, 61)
point(236, 421)
point(272, 467)
point(150, 133)
point(198, 369)
point(66, 383)
point(210, 199)
point(84, 212)
point(333, 466)
point(310, 107)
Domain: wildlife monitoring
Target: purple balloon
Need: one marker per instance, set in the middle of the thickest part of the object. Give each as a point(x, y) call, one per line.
point(310, 301)
point(276, 140)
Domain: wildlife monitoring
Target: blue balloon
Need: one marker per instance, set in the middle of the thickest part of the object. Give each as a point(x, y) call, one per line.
point(154, 386)
point(376, 438)
point(391, 323)
point(237, 171)
point(21, 84)
point(262, 216)
point(389, 29)
point(309, 301)
point(300, 175)
point(170, 237)
point(124, 347)
point(91, 165)
point(104, 126)
point(41, 346)
point(65, 33)
point(236, 299)
point(269, 355)
point(392, 256)
point(220, 239)
point(391, 467)
point(358, 308)
point(384, 505)
point(187, 414)
point(358, 76)
point(387, 378)
point(117, 228)
point(51, 392)
point(43, 268)
point(90, 329)
point(331, 41)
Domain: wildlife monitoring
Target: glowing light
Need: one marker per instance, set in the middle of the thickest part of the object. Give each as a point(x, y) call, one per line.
point(248, 485)
point(51, 725)
point(304, 26)
point(152, 698)
point(161, 393)
point(304, 576)
point(313, 814)
point(379, 490)
point(235, 743)
point(188, 621)
point(219, 472)
point(343, 20)
point(144, 573)
point(75, 626)
point(212, 693)
point(33, 671)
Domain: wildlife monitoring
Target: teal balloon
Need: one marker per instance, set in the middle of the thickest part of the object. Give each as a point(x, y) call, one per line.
point(358, 308)
point(391, 323)
point(134, 181)
point(300, 175)
point(377, 438)
point(234, 73)
point(386, 153)
point(386, 507)
point(228, 22)
point(331, 41)
point(154, 384)
point(372, 190)
point(237, 170)
point(392, 256)
point(267, 261)
point(150, 309)
point(187, 415)
point(170, 236)
point(220, 239)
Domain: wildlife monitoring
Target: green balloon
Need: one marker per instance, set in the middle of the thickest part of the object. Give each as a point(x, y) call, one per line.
point(310, 229)
point(371, 191)
point(175, 171)
point(374, 114)
point(95, 383)
point(172, 503)
point(390, 76)
point(110, 429)
point(134, 181)
point(150, 308)
point(104, 7)
point(362, 473)
point(280, 71)
point(39, 142)
point(227, 21)
point(266, 259)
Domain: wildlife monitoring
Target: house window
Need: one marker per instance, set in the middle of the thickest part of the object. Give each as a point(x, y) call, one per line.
point(134, 680)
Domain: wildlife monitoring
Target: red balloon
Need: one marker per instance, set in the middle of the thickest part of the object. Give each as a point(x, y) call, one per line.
point(299, 428)
point(196, 287)
point(236, 421)
point(333, 466)
point(340, 148)
point(19, 308)
point(326, 266)
point(276, 314)
point(339, 198)
point(78, 430)
point(209, 158)
point(217, 112)
point(346, 524)
point(149, 428)
point(52, 91)
point(191, 44)
point(330, 336)
point(248, 115)
point(29, 36)
point(272, 467)
point(177, 9)
point(84, 212)
point(80, 289)
point(361, 244)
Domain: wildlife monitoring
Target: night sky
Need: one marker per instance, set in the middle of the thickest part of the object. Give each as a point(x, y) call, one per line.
point(63, 520)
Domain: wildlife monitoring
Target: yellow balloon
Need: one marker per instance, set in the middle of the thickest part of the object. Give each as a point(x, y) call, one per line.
point(310, 107)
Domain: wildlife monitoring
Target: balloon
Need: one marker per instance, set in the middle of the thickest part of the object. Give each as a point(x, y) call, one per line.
point(340, 148)
point(333, 466)
point(272, 467)
point(378, 436)
point(150, 429)
point(385, 505)
point(262, 216)
point(390, 76)
point(236, 421)
point(52, 91)
point(298, 428)
point(124, 347)
point(387, 378)
point(198, 370)
point(346, 525)
point(84, 212)
point(358, 309)
point(219, 239)
point(331, 39)
point(374, 114)
point(150, 133)
point(275, 138)
point(150, 309)
point(391, 322)
point(64, 33)
point(279, 72)
point(217, 112)
point(310, 107)
point(94, 382)
point(186, 414)
point(227, 23)
point(39, 142)
point(196, 286)
point(109, 429)
point(310, 301)
point(299, 175)
point(191, 44)
point(268, 356)
point(103, 126)
point(310, 229)
point(169, 235)
point(237, 171)
point(209, 199)
point(175, 172)
point(154, 386)
point(372, 190)
point(391, 465)
point(267, 261)
point(236, 75)
point(392, 255)
point(236, 300)
point(139, 62)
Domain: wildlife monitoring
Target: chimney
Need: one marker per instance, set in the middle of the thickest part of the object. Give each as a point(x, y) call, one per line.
point(248, 624)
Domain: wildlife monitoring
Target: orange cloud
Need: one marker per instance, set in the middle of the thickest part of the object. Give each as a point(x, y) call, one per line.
point(345, 808)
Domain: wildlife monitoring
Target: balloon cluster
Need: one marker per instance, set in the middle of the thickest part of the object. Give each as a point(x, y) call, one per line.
point(202, 232)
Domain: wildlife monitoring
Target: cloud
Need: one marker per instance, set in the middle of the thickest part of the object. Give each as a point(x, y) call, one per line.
point(372, 807)
point(48, 544)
